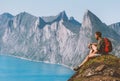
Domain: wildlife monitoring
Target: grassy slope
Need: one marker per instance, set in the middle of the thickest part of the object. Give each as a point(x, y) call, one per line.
point(108, 60)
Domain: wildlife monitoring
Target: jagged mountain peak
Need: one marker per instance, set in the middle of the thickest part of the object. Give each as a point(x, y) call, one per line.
point(63, 15)
point(73, 21)
point(40, 18)
point(72, 18)
point(90, 18)
point(24, 19)
point(51, 19)
point(8, 15)
point(24, 14)
point(28, 39)
point(92, 22)
point(89, 13)
point(41, 23)
point(5, 19)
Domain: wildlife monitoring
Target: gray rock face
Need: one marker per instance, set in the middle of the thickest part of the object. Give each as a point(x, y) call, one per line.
point(115, 27)
point(54, 39)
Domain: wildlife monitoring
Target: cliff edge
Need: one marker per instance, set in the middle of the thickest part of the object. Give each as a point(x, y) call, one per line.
point(103, 68)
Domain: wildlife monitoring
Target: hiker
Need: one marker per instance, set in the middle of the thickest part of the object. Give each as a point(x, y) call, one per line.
point(103, 46)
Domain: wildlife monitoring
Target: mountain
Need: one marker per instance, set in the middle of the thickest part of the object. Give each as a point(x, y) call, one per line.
point(71, 24)
point(51, 19)
point(101, 68)
point(53, 39)
point(5, 20)
point(36, 39)
point(116, 27)
point(91, 23)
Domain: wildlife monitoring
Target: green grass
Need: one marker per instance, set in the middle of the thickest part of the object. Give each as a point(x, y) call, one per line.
point(109, 60)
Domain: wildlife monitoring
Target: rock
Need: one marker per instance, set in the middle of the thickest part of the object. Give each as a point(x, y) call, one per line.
point(88, 73)
point(100, 68)
point(111, 72)
point(103, 68)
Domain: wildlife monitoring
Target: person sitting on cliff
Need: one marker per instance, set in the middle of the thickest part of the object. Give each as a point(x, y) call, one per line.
point(96, 49)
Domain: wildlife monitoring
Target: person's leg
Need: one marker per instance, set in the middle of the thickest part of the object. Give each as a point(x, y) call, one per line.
point(91, 50)
point(94, 47)
point(91, 55)
point(85, 60)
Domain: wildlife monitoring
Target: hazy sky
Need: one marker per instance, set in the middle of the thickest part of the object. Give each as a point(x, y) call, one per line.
point(107, 10)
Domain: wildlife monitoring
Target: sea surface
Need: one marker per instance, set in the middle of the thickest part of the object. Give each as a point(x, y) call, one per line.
point(15, 69)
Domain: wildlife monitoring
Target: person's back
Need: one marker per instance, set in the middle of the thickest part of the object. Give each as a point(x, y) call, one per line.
point(100, 45)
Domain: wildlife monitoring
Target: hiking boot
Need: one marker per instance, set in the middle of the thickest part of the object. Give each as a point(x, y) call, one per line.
point(76, 68)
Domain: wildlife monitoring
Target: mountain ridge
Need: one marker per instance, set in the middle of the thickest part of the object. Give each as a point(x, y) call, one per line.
point(115, 27)
point(58, 39)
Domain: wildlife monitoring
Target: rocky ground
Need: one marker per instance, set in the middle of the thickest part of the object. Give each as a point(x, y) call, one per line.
point(103, 68)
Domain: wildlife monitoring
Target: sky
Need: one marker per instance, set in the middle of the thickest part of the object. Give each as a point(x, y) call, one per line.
point(107, 10)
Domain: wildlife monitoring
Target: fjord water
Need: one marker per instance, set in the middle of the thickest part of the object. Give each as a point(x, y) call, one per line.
point(15, 69)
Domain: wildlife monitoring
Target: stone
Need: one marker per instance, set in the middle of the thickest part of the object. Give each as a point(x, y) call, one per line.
point(88, 73)
point(100, 68)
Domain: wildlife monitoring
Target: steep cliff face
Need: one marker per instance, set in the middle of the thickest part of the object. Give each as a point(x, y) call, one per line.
point(115, 27)
point(103, 68)
point(41, 38)
point(54, 39)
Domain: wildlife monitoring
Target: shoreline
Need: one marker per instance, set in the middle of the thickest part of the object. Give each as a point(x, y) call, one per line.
point(37, 61)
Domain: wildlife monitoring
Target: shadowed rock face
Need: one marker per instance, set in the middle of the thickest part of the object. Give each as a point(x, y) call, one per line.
point(103, 68)
point(115, 27)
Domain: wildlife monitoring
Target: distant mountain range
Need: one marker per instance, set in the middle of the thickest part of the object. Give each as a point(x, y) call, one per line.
point(54, 39)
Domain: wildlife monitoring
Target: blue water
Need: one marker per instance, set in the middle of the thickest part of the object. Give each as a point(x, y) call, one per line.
point(14, 69)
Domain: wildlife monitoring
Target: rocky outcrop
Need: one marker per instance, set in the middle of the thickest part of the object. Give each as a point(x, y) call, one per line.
point(103, 68)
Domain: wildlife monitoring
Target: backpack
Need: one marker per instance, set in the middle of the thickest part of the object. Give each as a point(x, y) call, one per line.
point(107, 45)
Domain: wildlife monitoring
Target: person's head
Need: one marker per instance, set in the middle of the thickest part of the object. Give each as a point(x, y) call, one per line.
point(98, 35)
